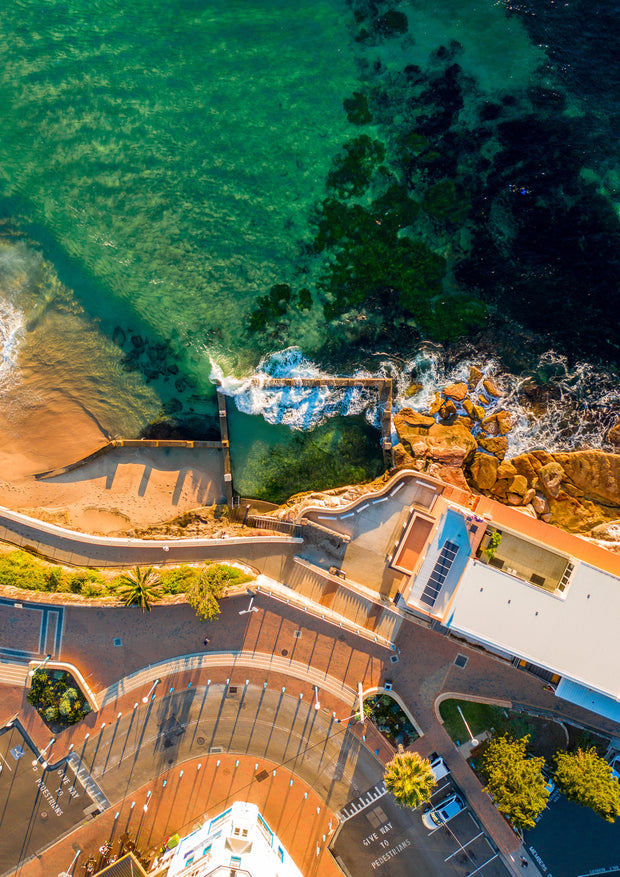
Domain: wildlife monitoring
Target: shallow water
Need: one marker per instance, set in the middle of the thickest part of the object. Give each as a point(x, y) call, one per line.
point(160, 167)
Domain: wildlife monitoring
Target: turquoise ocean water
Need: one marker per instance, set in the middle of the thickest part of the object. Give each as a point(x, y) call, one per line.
point(163, 166)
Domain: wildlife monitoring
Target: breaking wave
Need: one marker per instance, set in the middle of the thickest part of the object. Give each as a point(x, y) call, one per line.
point(556, 407)
point(11, 326)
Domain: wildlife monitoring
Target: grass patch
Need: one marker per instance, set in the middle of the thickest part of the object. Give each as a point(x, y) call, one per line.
point(486, 717)
point(480, 717)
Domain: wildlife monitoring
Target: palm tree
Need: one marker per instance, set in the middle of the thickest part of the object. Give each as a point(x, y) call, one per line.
point(409, 778)
point(139, 588)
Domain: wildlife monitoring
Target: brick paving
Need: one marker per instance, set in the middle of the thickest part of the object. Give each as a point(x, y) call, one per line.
point(200, 789)
point(425, 669)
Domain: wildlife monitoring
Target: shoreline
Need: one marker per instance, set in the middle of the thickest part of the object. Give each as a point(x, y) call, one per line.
point(128, 490)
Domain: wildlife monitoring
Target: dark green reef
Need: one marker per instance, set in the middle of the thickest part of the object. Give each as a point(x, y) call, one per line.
point(448, 214)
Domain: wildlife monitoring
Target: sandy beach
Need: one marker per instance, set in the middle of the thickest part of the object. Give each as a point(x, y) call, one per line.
point(124, 488)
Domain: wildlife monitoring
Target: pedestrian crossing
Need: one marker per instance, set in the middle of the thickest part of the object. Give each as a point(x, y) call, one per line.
point(92, 789)
point(361, 803)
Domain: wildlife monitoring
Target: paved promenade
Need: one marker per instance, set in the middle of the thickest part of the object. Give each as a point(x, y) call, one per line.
point(277, 648)
point(292, 649)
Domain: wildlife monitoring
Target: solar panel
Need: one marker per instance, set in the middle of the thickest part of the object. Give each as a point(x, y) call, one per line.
point(439, 573)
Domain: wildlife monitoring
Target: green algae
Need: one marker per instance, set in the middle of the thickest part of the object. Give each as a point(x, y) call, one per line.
point(352, 170)
point(272, 463)
point(447, 201)
point(357, 110)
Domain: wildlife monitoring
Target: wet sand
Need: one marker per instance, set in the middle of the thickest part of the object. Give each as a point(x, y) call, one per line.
point(124, 488)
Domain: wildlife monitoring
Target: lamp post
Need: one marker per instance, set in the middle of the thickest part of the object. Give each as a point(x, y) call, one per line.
point(146, 697)
point(251, 607)
point(317, 704)
point(38, 667)
point(41, 755)
point(473, 740)
point(67, 873)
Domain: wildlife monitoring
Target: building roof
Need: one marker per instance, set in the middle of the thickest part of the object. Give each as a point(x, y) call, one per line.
point(565, 633)
point(546, 534)
point(128, 866)
point(588, 699)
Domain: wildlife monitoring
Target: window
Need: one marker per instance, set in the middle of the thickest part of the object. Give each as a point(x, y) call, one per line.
point(281, 854)
point(206, 850)
point(235, 861)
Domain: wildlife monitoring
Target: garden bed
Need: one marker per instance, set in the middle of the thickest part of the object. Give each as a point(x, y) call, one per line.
point(58, 699)
point(390, 719)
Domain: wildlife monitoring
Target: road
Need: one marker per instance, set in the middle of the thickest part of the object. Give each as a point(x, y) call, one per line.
point(36, 806)
point(168, 732)
point(391, 841)
point(248, 720)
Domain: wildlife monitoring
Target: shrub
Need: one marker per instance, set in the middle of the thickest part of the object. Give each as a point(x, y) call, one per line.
point(55, 700)
point(93, 589)
point(20, 570)
point(209, 584)
point(178, 580)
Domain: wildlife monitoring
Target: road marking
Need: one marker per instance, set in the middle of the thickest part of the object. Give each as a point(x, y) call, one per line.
point(361, 803)
point(480, 867)
point(6, 762)
point(462, 846)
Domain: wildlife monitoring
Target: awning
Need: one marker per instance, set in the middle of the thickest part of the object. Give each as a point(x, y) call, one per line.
point(588, 699)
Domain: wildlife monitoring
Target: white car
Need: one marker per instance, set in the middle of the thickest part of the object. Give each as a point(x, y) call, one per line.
point(443, 813)
point(440, 768)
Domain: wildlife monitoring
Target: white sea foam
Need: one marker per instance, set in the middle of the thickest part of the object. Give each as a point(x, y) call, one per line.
point(11, 327)
point(300, 408)
point(583, 401)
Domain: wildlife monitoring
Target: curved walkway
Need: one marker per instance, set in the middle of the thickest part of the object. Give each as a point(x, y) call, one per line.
point(232, 661)
point(82, 549)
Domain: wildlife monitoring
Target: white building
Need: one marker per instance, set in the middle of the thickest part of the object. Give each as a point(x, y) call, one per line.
point(237, 843)
point(546, 599)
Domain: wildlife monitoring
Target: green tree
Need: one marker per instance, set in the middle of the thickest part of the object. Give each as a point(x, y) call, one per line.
point(139, 588)
point(495, 540)
point(586, 778)
point(210, 583)
point(514, 780)
point(409, 778)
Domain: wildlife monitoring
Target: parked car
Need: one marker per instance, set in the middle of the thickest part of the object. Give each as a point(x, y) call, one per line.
point(444, 812)
point(439, 767)
point(615, 766)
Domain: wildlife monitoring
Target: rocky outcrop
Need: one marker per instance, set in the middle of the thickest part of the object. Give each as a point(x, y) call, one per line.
point(595, 473)
point(613, 436)
point(456, 391)
point(483, 471)
point(464, 439)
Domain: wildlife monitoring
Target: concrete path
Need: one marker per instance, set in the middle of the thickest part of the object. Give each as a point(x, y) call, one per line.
point(82, 549)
